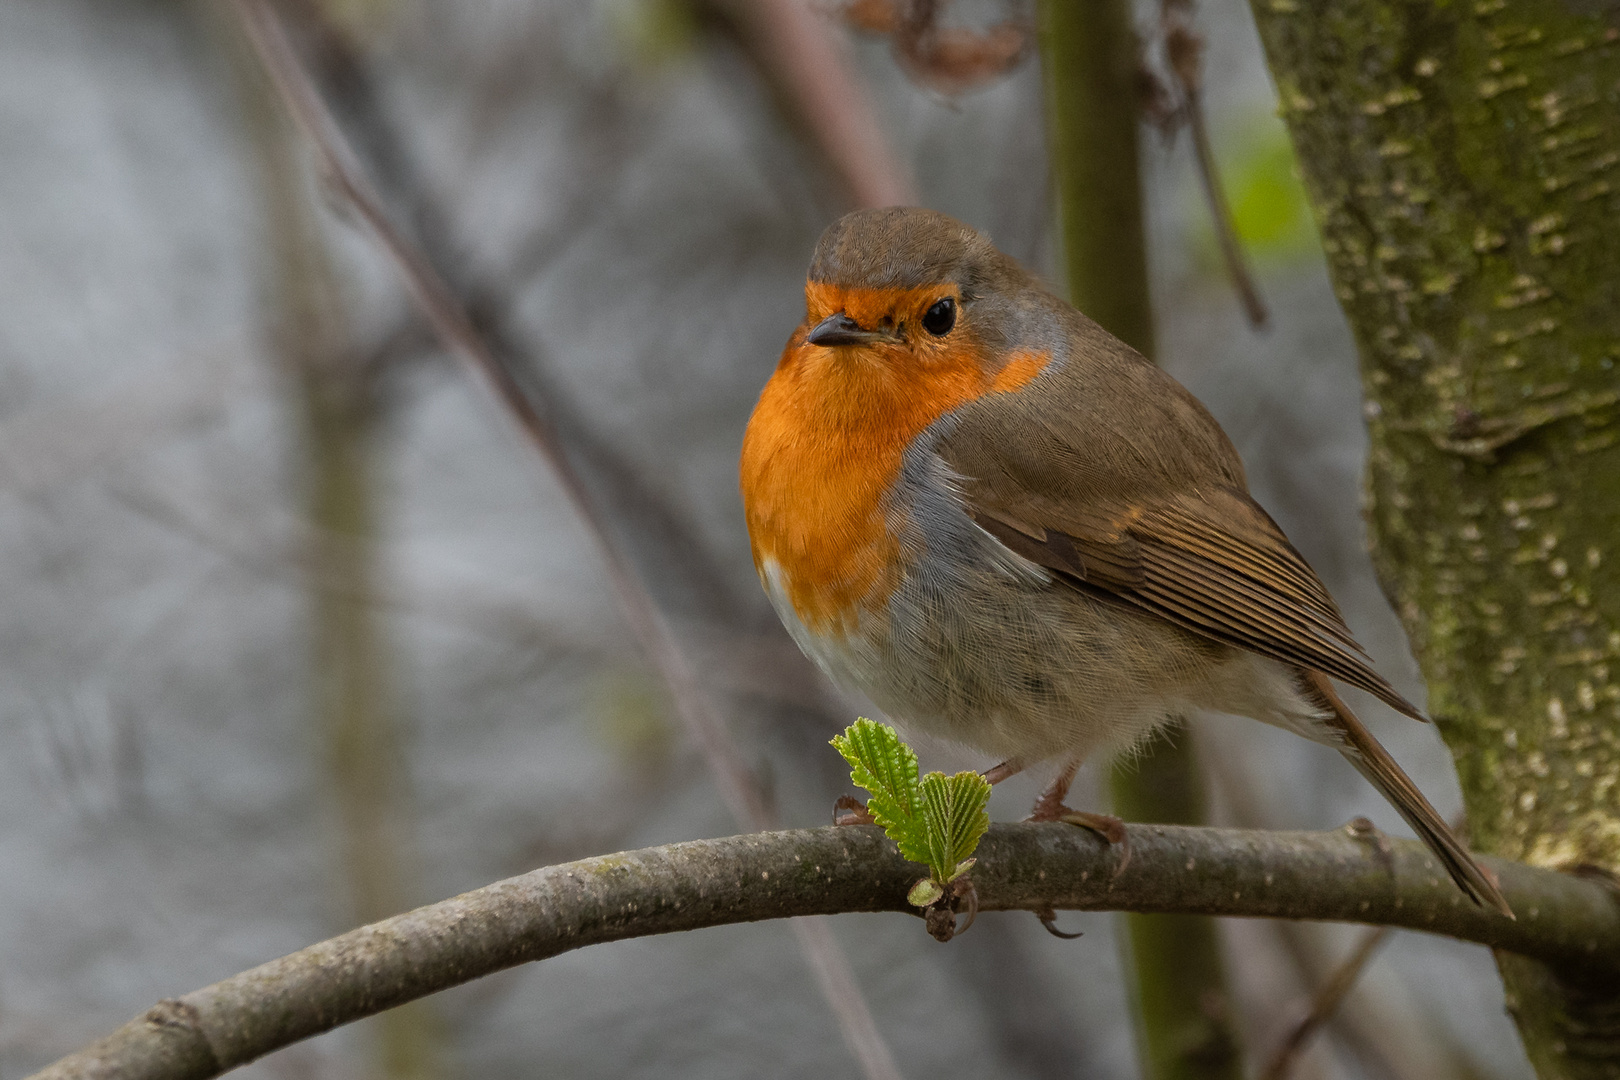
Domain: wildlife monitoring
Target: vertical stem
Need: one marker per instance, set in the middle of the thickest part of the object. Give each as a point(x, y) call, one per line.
point(1185, 1029)
point(1091, 59)
point(353, 708)
point(351, 679)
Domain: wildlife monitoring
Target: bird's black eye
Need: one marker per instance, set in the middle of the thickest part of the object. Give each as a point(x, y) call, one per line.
point(939, 319)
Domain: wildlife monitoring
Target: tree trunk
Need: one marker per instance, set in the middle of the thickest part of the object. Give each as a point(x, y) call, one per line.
point(1462, 160)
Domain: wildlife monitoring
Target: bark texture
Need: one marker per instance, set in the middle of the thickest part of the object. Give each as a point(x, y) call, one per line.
point(1463, 159)
point(1571, 924)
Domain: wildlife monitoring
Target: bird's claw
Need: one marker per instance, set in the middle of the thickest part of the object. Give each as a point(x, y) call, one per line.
point(1110, 828)
point(1048, 918)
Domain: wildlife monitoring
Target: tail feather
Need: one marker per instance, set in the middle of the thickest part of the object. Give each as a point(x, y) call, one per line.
point(1372, 761)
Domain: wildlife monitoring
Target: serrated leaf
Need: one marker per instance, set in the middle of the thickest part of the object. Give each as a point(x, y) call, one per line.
point(954, 810)
point(887, 769)
point(925, 892)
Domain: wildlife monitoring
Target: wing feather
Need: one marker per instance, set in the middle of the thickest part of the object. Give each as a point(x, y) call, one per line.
point(1253, 556)
point(1107, 472)
point(1245, 587)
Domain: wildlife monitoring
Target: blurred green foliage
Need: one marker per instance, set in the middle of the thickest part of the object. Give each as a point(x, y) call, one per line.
point(632, 719)
point(362, 19)
point(1270, 213)
point(654, 32)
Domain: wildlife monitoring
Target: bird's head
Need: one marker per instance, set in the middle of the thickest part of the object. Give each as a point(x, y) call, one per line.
point(904, 286)
point(909, 313)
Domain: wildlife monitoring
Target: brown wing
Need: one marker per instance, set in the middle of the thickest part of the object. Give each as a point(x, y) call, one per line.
point(1107, 472)
point(1239, 581)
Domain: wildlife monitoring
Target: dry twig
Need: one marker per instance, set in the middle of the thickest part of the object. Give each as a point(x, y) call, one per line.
point(445, 314)
point(949, 59)
point(1183, 51)
point(1336, 987)
point(796, 50)
point(1395, 1046)
point(1324, 1004)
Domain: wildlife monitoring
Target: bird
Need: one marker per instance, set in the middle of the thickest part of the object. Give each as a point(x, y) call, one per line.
point(1011, 531)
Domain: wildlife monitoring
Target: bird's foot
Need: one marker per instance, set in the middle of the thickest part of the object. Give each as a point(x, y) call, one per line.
point(849, 810)
point(1110, 828)
point(997, 773)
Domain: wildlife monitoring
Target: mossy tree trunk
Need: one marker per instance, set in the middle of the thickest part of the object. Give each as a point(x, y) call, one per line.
point(1464, 163)
point(1092, 65)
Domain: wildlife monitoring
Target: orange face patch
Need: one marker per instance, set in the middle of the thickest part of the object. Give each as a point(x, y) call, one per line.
point(825, 443)
point(873, 308)
point(1018, 371)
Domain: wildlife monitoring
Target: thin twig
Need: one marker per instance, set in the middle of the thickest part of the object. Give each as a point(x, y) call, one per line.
point(1387, 1043)
point(690, 576)
point(1237, 263)
point(1324, 1004)
point(449, 320)
point(1184, 57)
point(1339, 982)
point(704, 883)
point(796, 50)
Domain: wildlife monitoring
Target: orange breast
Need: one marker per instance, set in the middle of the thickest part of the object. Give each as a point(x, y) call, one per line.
point(822, 453)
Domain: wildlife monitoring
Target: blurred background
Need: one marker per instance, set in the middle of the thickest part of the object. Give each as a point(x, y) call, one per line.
point(299, 632)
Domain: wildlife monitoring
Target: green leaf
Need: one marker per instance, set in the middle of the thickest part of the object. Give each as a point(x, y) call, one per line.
point(925, 892)
point(954, 809)
point(887, 769)
point(936, 821)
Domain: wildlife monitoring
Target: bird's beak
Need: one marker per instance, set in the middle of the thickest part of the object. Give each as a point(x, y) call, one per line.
point(840, 329)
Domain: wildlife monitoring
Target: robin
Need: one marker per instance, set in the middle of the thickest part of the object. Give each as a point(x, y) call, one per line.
point(1012, 531)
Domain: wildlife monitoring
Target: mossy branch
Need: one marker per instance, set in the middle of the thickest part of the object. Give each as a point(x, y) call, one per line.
point(1567, 922)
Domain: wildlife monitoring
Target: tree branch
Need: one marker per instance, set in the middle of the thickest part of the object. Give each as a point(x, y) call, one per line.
point(1568, 922)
